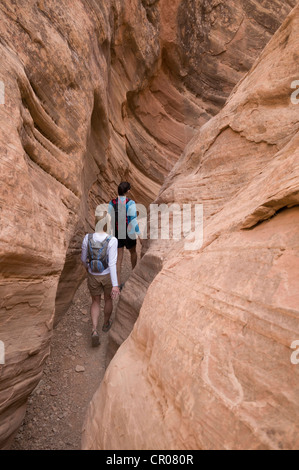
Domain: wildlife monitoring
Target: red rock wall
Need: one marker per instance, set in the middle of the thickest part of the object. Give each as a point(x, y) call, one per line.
point(95, 94)
point(206, 48)
point(208, 363)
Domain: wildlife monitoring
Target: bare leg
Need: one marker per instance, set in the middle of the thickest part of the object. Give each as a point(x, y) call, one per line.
point(120, 256)
point(134, 258)
point(108, 307)
point(95, 311)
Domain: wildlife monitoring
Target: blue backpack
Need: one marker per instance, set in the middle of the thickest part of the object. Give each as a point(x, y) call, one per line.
point(98, 254)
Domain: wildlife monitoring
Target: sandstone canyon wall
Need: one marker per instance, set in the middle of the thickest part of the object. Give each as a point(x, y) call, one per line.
point(206, 48)
point(208, 364)
point(62, 153)
point(96, 92)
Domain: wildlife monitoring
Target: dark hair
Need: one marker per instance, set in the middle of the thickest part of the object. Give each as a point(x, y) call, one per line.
point(123, 188)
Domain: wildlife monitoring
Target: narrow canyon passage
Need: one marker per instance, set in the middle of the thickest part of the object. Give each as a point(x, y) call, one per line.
point(73, 372)
point(195, 103)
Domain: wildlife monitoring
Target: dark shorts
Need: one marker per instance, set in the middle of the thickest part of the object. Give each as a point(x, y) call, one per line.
point(128, 243)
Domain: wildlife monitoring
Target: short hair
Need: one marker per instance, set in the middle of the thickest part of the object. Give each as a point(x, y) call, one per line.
point(123, 188)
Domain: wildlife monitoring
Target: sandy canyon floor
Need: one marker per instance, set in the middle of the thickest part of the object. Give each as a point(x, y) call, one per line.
point(73, 372)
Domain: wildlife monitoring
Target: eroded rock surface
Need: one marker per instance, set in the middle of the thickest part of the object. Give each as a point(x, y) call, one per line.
point(96, 92)
point(62, 153)
point(205, 49)
point(208, 364)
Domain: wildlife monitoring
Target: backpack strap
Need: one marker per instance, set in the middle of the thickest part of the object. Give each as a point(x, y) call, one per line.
point(115, 215)
point(107, 240)
point(104, 244)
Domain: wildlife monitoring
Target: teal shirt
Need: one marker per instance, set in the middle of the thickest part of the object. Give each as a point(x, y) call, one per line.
point(133, 227)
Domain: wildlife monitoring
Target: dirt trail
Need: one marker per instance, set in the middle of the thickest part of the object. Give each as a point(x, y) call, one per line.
point(57, 407)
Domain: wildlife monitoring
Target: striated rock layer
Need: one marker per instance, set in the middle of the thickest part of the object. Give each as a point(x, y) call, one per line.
point(205, 49)
point(62, 153)
point(96, 92)
point(208, 364)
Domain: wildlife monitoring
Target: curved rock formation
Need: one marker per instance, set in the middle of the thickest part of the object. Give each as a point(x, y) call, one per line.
point(208, 364)
point(62, 153)
point(95, 94)
point(206, 48)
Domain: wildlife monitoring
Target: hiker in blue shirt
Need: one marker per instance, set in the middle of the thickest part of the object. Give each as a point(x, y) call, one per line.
point(124, 224)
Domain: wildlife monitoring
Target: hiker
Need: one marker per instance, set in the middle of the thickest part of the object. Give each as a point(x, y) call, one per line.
point(99, 256)
point(124, 224)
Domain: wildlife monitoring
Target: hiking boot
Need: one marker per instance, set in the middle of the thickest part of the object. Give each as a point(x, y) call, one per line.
point(95, 339)
point(107, 326)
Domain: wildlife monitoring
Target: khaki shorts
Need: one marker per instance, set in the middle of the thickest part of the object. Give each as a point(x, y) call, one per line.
point(98, 285)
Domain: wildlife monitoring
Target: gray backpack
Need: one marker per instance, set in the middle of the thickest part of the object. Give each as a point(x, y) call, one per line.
point(98, 254)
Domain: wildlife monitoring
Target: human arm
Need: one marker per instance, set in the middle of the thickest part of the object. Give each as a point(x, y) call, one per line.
point(133, 227)
point(112, 261)
point(115, 292)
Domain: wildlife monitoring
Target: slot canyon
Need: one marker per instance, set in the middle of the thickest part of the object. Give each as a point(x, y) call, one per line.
point(193, 102)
